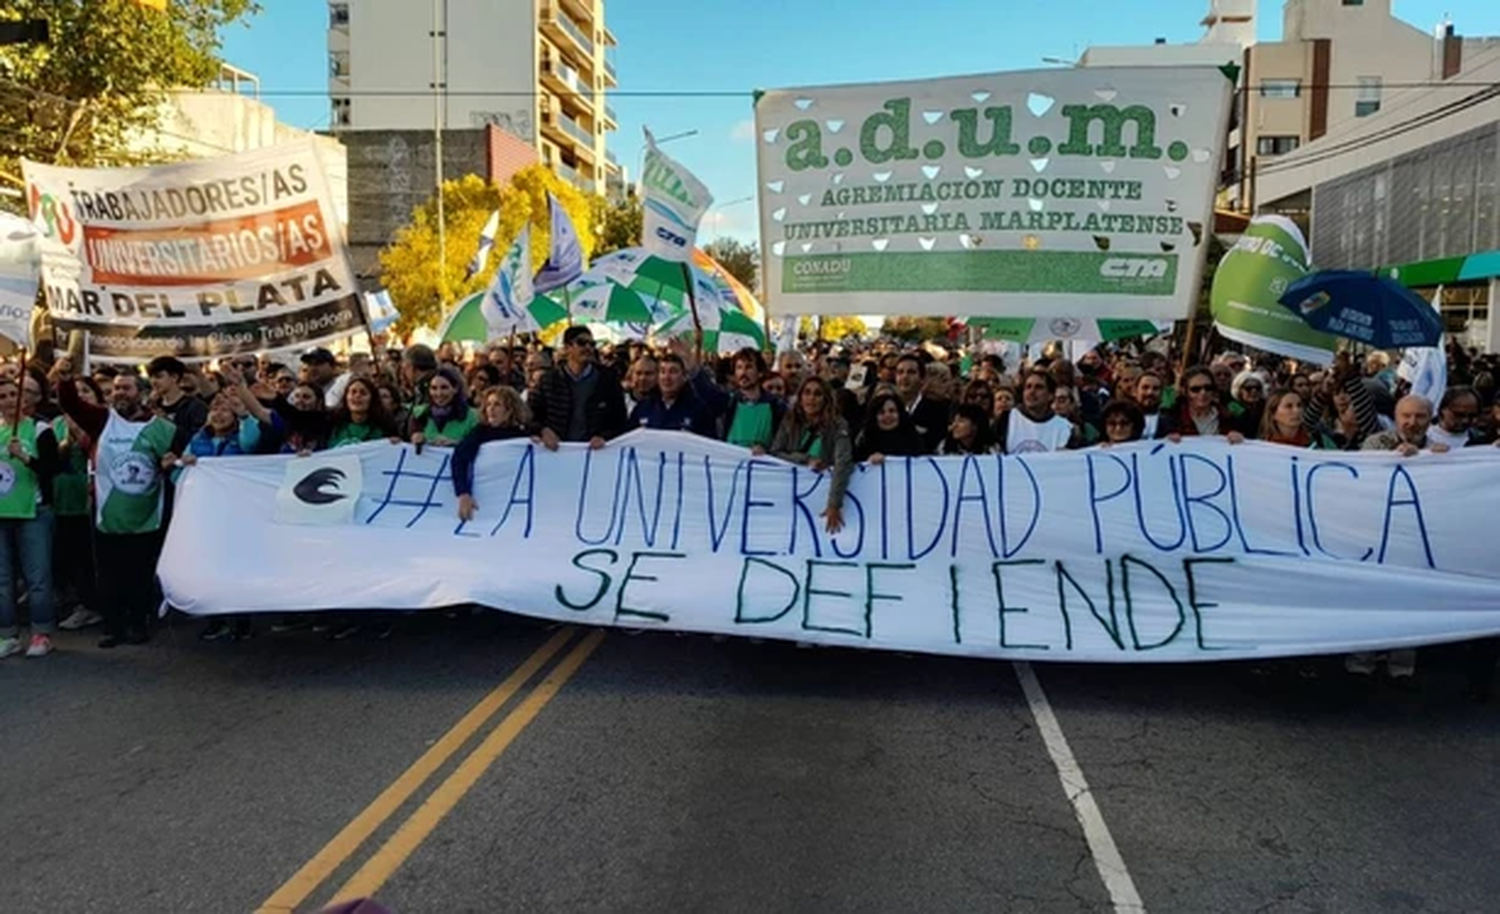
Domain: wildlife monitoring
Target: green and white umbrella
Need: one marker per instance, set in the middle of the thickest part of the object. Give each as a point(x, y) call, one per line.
point(640, 289)
point(466, 320)
point(1040, 329)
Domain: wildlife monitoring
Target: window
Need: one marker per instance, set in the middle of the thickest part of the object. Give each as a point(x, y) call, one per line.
point(338, 15)
point(1354, 2)
point(1276, 145)
point(338, 63)
point(1367, 96)
point(1280, 88)
point(341, 112)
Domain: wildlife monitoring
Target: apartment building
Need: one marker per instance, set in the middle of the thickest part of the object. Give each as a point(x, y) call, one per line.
point(1336, 61)
point(539, 70)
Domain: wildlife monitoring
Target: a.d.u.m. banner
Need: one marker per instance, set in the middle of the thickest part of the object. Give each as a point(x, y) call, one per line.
point(1057, 194)
point(196, 259)
point(1149, 552)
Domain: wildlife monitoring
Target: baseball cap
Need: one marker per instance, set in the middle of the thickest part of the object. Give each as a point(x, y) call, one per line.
point(319, 356)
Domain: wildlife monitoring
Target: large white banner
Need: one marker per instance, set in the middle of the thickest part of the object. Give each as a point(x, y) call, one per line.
point(1197, 551)
point(1063, 194)
point(197, 259)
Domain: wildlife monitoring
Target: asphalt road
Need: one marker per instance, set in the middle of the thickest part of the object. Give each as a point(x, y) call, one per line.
point(655, 772)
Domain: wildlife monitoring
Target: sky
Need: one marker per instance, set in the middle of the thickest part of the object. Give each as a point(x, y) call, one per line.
point(720, 46)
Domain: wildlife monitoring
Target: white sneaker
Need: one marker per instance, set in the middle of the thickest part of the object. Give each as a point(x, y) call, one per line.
point(9, 647)
point(40, 646)
point(82, 617)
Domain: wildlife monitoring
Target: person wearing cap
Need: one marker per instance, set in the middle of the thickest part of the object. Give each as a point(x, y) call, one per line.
point(321, 369)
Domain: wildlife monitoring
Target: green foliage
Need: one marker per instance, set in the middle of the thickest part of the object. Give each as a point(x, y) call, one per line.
point(740, 260)
point(915, 329)
point(98, 83)
point(617, 225)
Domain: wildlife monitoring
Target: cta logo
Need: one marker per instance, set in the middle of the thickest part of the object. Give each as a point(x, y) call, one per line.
point(1133, 268)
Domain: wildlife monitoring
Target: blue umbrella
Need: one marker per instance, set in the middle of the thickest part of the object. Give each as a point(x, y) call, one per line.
point(1364, 307)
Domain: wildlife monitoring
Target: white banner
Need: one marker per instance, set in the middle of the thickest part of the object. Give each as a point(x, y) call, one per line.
point(19, 271)
point(1066, 193)
point(197, 259)
point(675, 201)
point(1198, 551)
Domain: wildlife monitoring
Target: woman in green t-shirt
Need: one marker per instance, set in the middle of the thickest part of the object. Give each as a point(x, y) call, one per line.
point(361, 416)
point(447, 417)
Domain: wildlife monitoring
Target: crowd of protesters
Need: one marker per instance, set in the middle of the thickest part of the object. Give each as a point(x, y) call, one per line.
point(86, 479)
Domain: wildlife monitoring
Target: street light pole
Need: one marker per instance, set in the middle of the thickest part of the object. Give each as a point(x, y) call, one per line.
point(439, 103)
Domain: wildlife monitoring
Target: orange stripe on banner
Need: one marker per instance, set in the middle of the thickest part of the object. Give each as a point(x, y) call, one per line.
point(244, 247)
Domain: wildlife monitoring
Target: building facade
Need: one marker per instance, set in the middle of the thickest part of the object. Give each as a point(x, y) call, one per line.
point(1413, 189)
point(538, 69)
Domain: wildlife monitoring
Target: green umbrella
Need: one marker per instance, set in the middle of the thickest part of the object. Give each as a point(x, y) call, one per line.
point(466, 320)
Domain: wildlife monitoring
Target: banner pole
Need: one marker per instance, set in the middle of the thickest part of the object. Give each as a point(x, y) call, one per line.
point(15, 423)
point(692, 297)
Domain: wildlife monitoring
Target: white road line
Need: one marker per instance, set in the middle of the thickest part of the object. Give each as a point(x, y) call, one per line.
point(1107, 859)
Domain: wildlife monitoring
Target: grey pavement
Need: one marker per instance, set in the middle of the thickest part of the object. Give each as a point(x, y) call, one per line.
point(681, 773)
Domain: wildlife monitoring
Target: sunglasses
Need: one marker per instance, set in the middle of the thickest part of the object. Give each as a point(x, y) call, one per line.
point(1201, 389)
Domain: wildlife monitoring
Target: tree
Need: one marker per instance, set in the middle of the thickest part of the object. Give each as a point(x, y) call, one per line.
point(833, 328)
point(916, 329)
point(99, 81)
point(740, 260)
point(617, 225)
point(409, 265)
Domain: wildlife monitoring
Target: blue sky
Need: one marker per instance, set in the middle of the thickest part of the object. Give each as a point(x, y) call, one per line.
point(735, 47)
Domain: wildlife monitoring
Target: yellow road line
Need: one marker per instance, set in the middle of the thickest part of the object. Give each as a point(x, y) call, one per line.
point(384, 863)
point(306, 880)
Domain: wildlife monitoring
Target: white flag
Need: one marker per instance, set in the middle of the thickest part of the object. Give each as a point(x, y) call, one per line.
point(486, 243)
point(20, 265)
point(506, 306)
point(1425, 368)
point(565, 260)
point(675, 202)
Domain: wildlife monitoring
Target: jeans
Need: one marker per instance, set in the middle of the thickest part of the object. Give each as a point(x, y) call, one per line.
point(30, 542)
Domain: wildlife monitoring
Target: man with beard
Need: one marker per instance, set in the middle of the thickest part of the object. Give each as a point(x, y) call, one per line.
point(1032, 427)
point(1147, 395)
point(751, 416)
point(131, 450)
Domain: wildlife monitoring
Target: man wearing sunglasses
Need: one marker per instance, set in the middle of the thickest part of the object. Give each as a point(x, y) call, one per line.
point(579, 399)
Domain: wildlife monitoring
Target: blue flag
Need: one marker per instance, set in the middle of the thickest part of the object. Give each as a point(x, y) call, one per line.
point(565, 259)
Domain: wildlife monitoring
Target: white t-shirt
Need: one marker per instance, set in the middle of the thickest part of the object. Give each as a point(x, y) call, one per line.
point(1436, 435)
point(1023, 436)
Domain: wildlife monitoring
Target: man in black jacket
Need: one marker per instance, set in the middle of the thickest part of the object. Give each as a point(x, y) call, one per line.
point(579, 400)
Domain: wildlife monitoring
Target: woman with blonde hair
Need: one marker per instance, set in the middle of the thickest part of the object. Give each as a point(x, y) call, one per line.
point(502, 416)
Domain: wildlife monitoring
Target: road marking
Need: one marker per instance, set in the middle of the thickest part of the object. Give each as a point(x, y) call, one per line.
point(1107, 859)
point(384, 863)
point(306, 880)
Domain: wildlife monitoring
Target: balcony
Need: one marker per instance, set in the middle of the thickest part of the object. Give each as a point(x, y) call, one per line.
point(573, 176)
point(609, 73)
point(563, 79)
point(561, 28)
point(610, 157)
point(564, 130)
point(610, 121)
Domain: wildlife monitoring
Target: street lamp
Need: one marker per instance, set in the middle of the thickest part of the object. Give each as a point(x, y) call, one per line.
point(640, 171)
point(719, 210)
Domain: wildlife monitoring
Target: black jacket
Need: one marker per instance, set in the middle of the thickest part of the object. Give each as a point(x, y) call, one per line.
point(553, 404)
